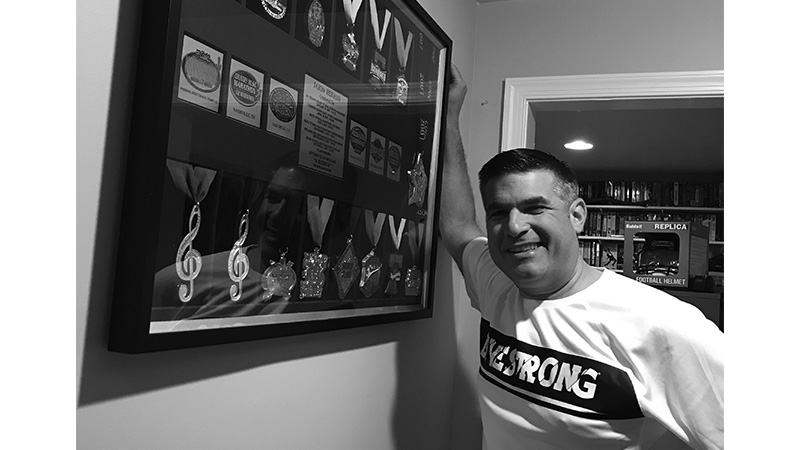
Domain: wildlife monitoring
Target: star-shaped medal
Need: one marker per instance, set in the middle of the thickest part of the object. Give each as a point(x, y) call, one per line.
point(418, 184)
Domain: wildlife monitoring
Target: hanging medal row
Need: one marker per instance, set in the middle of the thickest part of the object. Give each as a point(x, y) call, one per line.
point(258, 268)
point(364, 38)
point(368, 39)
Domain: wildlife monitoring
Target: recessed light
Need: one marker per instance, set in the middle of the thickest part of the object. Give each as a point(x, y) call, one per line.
point(578, 145)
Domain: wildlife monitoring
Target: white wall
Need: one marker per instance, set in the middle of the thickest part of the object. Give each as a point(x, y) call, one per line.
point(381, 387)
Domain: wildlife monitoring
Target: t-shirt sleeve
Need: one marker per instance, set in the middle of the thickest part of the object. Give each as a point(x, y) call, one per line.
point(687, 394)
point(480, 272)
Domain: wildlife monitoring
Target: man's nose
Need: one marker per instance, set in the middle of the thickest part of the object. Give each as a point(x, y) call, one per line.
point(517, 224)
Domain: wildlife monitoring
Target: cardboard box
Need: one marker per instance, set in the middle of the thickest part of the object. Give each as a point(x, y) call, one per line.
point(673, 253)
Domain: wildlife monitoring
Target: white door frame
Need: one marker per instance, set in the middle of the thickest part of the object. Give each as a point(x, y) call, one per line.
point(519, 92)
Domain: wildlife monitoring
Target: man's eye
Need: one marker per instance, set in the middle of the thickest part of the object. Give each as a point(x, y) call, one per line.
point(497, 215)
point(534, 210)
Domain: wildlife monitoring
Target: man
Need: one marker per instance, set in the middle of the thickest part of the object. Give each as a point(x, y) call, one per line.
point(571, 357)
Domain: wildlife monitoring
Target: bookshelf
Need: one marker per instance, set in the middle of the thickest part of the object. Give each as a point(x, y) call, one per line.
point(611, 203)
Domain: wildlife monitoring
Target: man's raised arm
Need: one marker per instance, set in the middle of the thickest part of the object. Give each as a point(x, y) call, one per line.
point(457, 222)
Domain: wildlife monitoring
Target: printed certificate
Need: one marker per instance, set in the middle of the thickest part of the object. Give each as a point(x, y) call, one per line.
point(323, 130)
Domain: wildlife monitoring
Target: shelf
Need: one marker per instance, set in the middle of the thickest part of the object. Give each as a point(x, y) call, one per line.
point(692, 209)
point(622, 238)
point(606, 238)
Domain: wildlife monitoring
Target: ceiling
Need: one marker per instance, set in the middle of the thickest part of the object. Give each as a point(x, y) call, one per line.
point(669, 136)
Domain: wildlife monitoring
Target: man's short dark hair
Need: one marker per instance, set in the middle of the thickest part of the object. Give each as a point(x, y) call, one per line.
point(523, 160)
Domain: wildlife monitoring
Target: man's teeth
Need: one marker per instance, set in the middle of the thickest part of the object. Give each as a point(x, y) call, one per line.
point(524, 248)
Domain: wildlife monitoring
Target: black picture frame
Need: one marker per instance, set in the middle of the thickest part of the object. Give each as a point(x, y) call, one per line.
point(230, 170)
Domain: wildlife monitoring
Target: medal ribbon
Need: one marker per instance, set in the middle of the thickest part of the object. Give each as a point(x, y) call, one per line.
point(374, 226)
point(319, 212)
point(193, 181)
point(355, 214)
point(351, 8)
point(415, 234)
point(397, 232)
point(403, 47)
point(379, 35)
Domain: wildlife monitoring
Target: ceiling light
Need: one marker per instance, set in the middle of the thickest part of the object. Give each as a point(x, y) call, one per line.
point(578, 145)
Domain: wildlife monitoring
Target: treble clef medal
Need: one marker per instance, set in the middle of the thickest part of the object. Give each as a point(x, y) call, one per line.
point(350, 52)
point(315, 264)
point(279, 279)
point(238, 262)
point(194, 182)
point(377, 67)
point(395, 258)
point(371, 264)
point(188, 261)
point(403, 49)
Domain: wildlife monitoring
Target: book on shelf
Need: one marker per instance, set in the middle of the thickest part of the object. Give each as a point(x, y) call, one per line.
point(677, 193)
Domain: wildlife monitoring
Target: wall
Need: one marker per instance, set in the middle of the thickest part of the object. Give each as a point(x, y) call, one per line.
point(525, 38)
point(381, 387)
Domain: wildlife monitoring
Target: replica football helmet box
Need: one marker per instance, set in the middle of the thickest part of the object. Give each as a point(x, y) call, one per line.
point(672, 253)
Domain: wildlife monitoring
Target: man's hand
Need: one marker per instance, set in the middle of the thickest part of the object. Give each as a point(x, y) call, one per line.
point(456, 94)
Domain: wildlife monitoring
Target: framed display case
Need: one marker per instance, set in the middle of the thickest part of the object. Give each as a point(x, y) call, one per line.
point(283, 170)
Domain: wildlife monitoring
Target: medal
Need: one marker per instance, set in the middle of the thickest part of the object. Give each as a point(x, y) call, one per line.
point(278, 279)
point(350, 52)
point(275, 8)
point(370, 274)
point(413, 279)
point(403, 50)
point(377, 67)
point(395, 259)
point(194, 182)
point(314, 267)
point(395, 274)
point(316, 23)
point(376, 151)
point(315, 264)
point(418, 183)
point(371, 264)
point(346, 269)
point(188, 261)
point(201, 72)
point(238, 263)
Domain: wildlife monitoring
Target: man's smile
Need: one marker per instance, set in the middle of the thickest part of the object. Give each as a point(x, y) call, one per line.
point(523, 249)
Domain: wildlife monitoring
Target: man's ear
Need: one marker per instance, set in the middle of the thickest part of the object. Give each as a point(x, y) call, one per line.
point(578, 213)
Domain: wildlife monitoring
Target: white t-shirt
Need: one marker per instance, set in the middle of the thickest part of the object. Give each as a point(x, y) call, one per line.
point(619, 365)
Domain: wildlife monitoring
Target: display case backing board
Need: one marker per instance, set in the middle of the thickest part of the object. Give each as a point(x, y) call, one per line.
point(283, 171)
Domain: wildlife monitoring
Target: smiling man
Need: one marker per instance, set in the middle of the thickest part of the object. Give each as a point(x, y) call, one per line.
point(571, 356)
